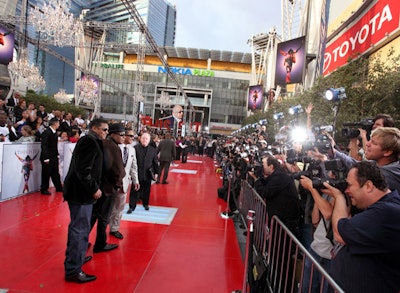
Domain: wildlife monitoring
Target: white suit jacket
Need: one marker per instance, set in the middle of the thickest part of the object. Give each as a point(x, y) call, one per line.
point(131, 170)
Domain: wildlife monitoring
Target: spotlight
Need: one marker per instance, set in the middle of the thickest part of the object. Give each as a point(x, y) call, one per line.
point(295, 110)
point(279, 116)
point(335, 94)
point(262, 121)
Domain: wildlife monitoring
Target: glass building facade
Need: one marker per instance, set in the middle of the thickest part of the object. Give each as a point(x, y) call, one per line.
point(217, 100)
point(159, 16)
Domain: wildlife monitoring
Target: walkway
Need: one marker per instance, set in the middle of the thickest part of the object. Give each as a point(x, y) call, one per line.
point(197, 252)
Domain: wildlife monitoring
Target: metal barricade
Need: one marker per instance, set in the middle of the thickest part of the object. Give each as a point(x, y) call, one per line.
point(285, 260)
point(281, 252)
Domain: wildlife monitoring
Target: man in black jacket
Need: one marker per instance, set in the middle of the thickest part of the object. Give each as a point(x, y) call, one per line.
point(279, 191)
point(167, 153)
point(81, 190)
point(147, 160)
point(49, 157)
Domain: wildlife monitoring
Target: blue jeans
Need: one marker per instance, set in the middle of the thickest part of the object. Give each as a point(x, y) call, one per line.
point(317, 277)
point(78, 237)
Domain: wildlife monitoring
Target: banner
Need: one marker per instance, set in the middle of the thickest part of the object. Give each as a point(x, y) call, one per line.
point(21, 172)
point(255, 99)
point(290, 61)
point(6, 46)
point(376, 25)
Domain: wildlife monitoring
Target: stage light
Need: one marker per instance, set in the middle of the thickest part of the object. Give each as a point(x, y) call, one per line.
point(279, 116)
point(335, 94)
point(263, 121)
point(295, 110)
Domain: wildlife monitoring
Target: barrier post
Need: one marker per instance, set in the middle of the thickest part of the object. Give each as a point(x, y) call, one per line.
point(229, 178)
point(249, 245)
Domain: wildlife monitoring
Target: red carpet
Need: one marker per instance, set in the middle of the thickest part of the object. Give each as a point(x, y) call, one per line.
point(197, 252)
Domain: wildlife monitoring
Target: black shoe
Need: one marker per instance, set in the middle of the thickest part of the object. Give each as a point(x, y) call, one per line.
point(80, 278)
point(106, 248)
point(158, 181)
point(146, 207)
point(59, 190)
point(165, 182)
point(117, 234)
point(130, 210)
point(88, 258)
point(45, 192)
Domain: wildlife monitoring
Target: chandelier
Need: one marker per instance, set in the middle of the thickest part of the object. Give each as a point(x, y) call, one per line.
point(164, 101)
point(87, 89)
point(56, 24)
point(62, 97)
point(21, 68)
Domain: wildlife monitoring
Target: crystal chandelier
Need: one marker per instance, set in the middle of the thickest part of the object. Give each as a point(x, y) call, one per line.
point(56, 24)
point(87, 89)
point(29, 72)
point(164, 101)
point(62, 97)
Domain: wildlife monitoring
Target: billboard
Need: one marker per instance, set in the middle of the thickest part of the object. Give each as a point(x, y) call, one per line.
point(290, 61)
point(6, 46)
point(255, 99)
point(375, 26)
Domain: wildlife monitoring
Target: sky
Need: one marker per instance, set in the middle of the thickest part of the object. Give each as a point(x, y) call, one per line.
point(224, 24)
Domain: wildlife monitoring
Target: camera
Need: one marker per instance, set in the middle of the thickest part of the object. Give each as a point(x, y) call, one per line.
point(318, 175)
point(350, 129)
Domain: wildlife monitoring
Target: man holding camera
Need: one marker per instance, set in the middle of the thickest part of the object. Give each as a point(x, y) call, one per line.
point(384, 149)
point(278, 189)
point(368, 257)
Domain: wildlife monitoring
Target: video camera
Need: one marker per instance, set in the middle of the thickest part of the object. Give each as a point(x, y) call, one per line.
point(350, 129)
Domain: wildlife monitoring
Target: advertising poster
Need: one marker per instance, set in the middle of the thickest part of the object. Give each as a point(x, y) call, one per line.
point(255, 98)
point(290, 61)
point(21, 171)
point(6, 46)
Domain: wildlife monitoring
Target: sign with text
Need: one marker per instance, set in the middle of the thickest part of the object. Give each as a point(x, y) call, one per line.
point(379, 22)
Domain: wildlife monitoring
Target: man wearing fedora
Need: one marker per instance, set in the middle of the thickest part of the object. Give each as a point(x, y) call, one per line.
point(112, 175)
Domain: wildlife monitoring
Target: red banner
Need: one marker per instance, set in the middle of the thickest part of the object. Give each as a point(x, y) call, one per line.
point(377, 23)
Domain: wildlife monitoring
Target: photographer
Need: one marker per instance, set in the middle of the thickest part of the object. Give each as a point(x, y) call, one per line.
point(384, 149)
point(278, 190)
point(380, 120)
point(368, 258)
point(322, 241)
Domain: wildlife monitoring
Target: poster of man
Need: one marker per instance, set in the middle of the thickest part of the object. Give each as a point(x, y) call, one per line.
point(256, 98)
point(6, 46)
point(290, 61)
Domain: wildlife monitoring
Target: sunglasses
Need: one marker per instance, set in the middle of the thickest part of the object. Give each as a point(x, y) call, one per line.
point(130, 135)
point(105, 129)
point(180, 112)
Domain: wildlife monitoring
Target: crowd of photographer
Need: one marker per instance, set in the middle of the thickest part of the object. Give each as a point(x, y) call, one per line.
point(343, 205)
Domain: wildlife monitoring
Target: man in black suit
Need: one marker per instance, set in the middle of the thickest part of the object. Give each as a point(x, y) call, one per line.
point(167, 153)
point(49, 158)
point(147, 160)
point(13, 101)
point(81, 190)
point(111, 186)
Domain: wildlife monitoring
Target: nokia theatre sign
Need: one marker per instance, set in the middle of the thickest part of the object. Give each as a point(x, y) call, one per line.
point(187, 71)
point(378, 23)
